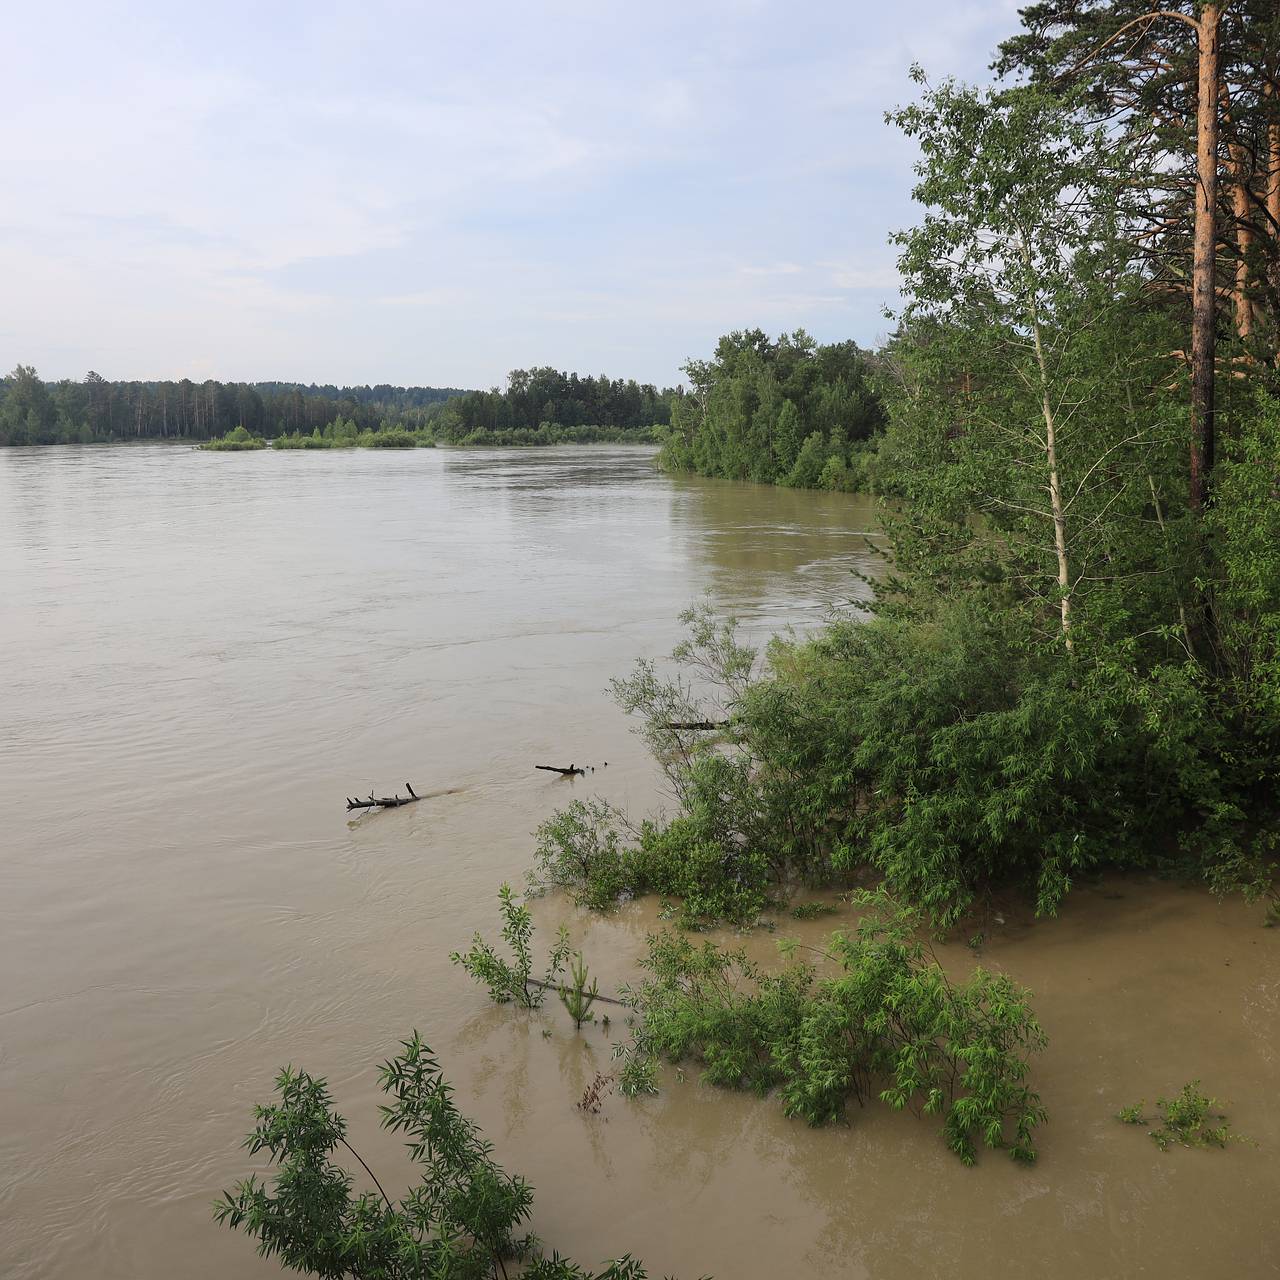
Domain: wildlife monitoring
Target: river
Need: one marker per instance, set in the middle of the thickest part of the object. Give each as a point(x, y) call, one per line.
point(205, 653)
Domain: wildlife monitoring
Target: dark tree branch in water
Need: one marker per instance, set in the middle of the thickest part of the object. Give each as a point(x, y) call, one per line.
point(559, 986)
point(386, 802)
point(570, 772)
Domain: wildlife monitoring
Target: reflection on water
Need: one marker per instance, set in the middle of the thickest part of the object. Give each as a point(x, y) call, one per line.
point(205, 653)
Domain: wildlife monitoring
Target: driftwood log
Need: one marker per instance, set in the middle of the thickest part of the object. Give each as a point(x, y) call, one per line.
point(571, 772)
point(560, 986)
point(698, 724)
point(384, 802)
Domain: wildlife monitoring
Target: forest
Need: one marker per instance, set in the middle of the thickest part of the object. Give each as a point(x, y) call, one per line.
point(537, 406)
point(68, 412)
point(787, 412)
point(533, 397)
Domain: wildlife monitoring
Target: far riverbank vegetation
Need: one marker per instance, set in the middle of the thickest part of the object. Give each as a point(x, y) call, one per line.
point(538, 407)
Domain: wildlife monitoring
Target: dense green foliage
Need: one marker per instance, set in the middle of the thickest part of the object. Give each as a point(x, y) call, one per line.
point(1184, 1120)
point(548, 433)
point(548, 401)
point(340, 434)
point(94, 409)
point(589, 850)
point(461, 1220)
point(890, 1025)
point(786, 412)
point(1068, 667)
point(236, 441)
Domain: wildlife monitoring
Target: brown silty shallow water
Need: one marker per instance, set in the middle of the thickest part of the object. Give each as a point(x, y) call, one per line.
point(205, 653)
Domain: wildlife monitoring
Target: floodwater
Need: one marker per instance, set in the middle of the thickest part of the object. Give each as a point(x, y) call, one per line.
point(204, 653)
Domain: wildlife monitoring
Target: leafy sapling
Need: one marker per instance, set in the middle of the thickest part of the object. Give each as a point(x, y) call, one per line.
point(511, 981)
point(577, 997)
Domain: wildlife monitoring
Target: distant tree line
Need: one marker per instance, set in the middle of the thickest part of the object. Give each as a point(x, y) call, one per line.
point(33, 411)
point(536, 396)
point(537, 406)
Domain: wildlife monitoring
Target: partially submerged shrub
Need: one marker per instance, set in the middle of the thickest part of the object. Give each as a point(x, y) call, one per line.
point(1185, 1120)
point(578, 996)
point(812, 910)
point(387, 438)
point(578, 850)
point(236, 440)
point(696, 858)
point(890, 1025)
point(511, 981)
point(949, 753)
point(462, 1220)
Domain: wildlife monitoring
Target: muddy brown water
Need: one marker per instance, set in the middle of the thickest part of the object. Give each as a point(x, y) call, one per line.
point(203, 654)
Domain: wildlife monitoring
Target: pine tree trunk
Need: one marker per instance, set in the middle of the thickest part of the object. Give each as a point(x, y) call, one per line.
point(1203, 308)
point(1273, 196)
point(1244, 239)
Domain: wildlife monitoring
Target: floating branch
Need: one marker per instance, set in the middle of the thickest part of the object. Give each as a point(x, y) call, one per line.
point(571, 772)
point(560, 987)
point(699, 724)
point(385, 802)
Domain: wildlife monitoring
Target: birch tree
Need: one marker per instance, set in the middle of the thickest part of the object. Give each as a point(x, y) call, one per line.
point(1040, 372)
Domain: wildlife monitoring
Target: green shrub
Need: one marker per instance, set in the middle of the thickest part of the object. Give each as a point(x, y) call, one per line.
point(892, 1025)
point(578, 850)
point(696, 858)
point(234, 441)
point(462, 1220)
point(812, 910)
point(549, 433)
point(387, 438)
point(949, 753)
point(714, 876)
point(299, 441)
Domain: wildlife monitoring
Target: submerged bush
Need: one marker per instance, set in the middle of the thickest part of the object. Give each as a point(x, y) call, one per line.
point(549, 433)
point(234, 441)
point(588, 850)
point(390, 438)
point(1184, 1120)
point(890, 1025)
point(951, 755)
point(316, 440)
point(578, 849)
point(512, 980)
point(462, 1220)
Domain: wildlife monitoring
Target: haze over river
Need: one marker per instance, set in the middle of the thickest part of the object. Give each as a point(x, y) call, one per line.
point(204, 653)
